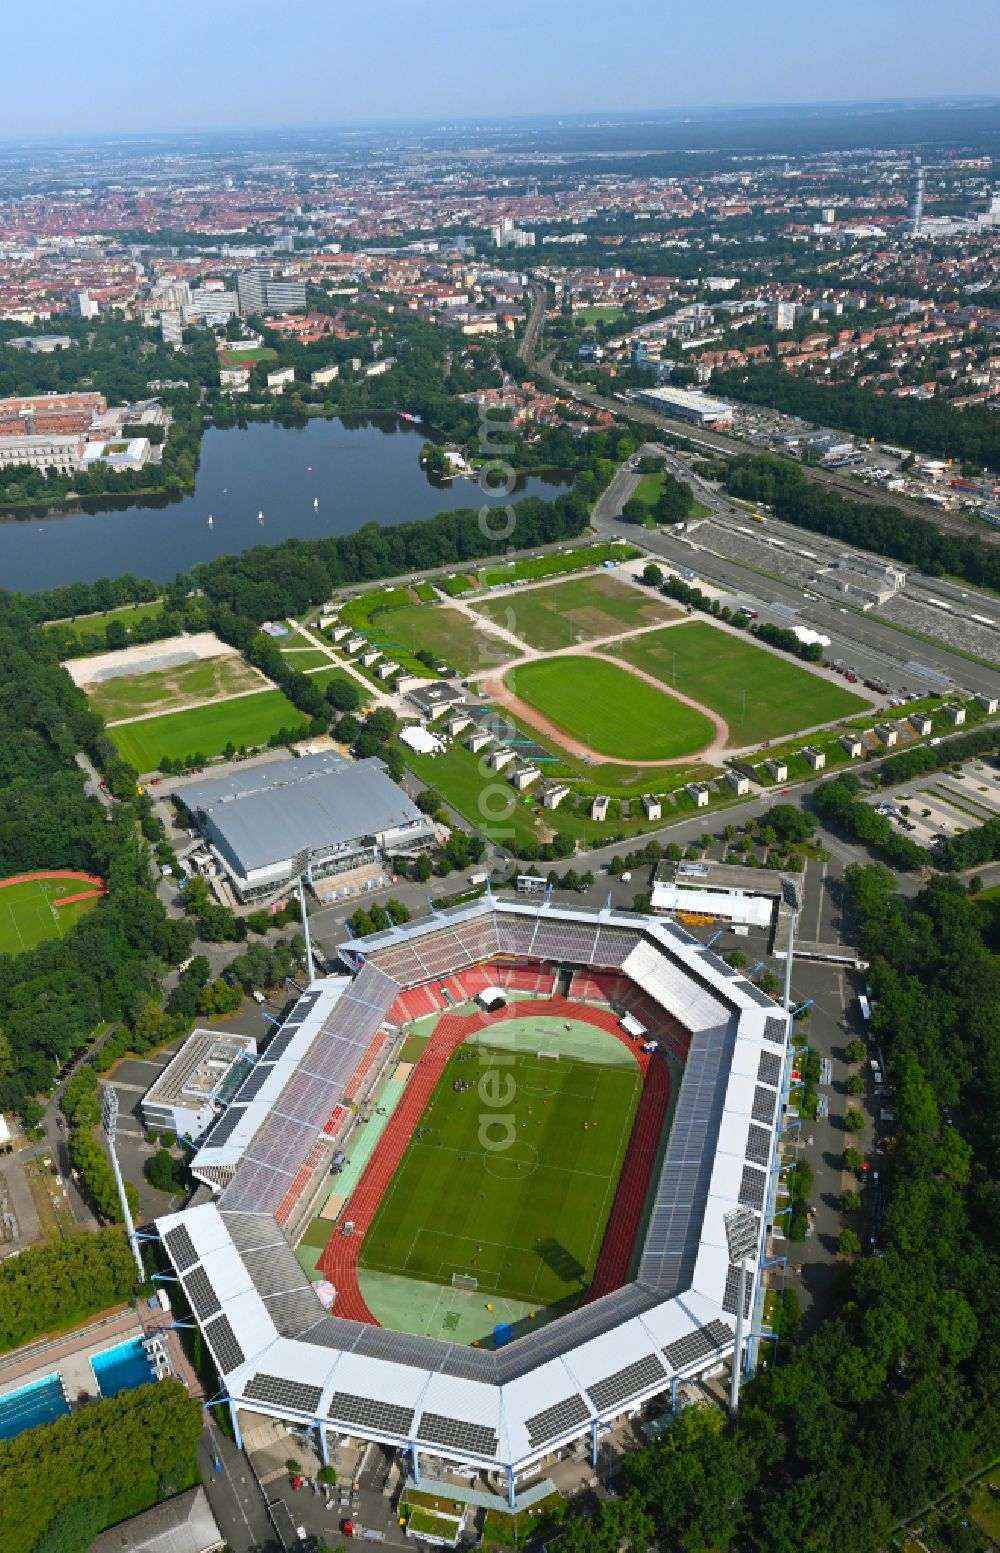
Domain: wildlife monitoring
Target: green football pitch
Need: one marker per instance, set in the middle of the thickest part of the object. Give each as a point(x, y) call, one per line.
point(515, 1194)
point(27, 915)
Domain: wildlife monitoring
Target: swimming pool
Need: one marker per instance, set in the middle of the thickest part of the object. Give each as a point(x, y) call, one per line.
point(122, 1368)
point(40, 1403)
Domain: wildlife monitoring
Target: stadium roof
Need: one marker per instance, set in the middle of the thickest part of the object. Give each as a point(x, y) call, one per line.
point(267, 813)
point(280, 1352)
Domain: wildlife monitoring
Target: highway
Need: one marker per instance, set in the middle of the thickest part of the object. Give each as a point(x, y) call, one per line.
point(719, 443)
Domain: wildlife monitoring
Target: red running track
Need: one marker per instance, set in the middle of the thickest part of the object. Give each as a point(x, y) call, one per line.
point(339, 1262)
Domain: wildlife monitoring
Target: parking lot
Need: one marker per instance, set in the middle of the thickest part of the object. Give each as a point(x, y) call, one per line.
point(940, 805)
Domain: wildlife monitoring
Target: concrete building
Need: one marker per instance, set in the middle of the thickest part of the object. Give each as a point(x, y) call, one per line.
point(82, 306)
point(781, 315)
point(887, 734)
point(183, 1523)
point(499, 759)
point(41, 344)
point(920, 723)
point(171, 330)
point(778, 769)
point(478, 741)
point(853, 743)
point(312, 818)
point(439, 696)
point(261, 292)
point(988, 704)
point(599, 808)
point(524, 776)
point(864, 580)
point(737, 783)
point(279, 379)
point(815, 757)
point(697, 791)
point(651, 806)
point(954, 714)
point(198, 1083)
point(127, 454)
point(61, 454)
point(456, 723)
point(323, 375)
point(554, 795)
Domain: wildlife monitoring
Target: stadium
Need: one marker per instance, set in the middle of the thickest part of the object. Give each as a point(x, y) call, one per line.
point(681, 1059)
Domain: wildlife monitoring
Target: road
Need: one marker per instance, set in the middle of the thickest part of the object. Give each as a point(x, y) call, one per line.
point(719, 443)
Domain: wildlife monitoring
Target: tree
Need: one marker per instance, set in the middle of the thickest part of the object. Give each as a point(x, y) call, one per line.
point(851, 1160)
point(849, 1201)
point(343, 695)
point(855, 1084)
point(855, 1050)
point(163, 1172)
point(652, 575)
point(853, 1121)
point(848, 1243)
point(423, 868)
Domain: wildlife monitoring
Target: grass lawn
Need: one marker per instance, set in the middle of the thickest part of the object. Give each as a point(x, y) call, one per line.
point(484, 801)
point(610, 710)
point(444, 632)
point(323, 677)
point(206, 730)
point(305, 657)
point(533, 568)
point(578, 610)
point(526, 1221)
point(27, 914)
point(237, 357)
point(126, 615)
point(598, 315)
point(166, 690)
point(457, 585)
point(762, 695)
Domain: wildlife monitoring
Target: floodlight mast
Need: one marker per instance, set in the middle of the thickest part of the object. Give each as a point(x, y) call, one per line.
point(109, 1124)
point(310, 970)
point(741, 1239)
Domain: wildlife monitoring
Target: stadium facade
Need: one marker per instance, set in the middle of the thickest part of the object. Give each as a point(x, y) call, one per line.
point(504, 1411)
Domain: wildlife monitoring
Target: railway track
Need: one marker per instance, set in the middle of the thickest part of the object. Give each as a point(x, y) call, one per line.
point(718, 443)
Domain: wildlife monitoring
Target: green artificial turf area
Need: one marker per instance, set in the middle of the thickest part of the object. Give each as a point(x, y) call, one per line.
point(596, 314)
point(762, 695)
point(207, 730)
point(576, 611)
point(525, 1220)
point(239, 356)
point(27, 915)
point(611, 710)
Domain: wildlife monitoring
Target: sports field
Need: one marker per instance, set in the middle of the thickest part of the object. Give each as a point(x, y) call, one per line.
point(516, 1195)
point(576, 611)
point(27, 913)
point(611, 710)
point(165, 690)
point(761, 695)
point(207, 730)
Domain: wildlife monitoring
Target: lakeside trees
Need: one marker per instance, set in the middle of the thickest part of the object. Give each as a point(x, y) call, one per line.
point(48, 1288)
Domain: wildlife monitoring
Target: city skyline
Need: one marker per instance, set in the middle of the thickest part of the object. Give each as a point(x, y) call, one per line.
point(251, 68)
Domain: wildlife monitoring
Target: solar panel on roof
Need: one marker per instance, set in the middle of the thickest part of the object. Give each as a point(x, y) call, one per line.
point(752, 1187)
point(756, 996)
point(293, 1311)
point(698, 1344)
point(279, 1045)
point(437, 1429)
point(283, 1393)
point(626, 1383)
point(255, 1081)
point(202, 1297)
point(769, 1068)
point(226, 1125)
point(775, 1029)
point(718, 1333)
point(221, 1339)
point(758, 1145)
point(762, 1108)
point(386, 1417)
point(556, 1420)
point(181, 1248)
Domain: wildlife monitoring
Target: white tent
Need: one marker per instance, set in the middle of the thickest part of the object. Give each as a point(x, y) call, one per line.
point(492, 997)
point(422, 740)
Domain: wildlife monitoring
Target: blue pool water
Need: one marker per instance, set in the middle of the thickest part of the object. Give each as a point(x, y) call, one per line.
point(40, 1403)
point(122, 1368)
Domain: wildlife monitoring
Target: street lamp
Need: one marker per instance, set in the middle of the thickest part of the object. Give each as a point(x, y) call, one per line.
point(741, 1238)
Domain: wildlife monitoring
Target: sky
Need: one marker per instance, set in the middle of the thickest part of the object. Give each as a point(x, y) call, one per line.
point(217, 64)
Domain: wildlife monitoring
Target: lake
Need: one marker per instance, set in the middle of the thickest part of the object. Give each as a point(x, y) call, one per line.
point(365, 471)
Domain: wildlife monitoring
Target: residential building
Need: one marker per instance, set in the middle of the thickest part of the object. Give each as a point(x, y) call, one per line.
point(82, 306)
point(171, 329)
point(259, 291)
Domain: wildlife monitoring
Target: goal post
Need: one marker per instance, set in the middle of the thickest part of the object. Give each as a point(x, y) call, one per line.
point(548, 1056)
point(464, 1281)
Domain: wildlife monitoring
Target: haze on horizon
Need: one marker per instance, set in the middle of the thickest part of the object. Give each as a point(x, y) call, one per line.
point(249, 63)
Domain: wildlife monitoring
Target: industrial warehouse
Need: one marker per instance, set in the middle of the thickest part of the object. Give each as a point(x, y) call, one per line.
point(325, 818)
point(309, 1352)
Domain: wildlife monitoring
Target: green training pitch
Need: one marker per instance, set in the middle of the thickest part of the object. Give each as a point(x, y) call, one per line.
point(207, 730)
point(611, 710)
point(762, 695)
point(447, 633)
point(525, 1220)
point(576, 611)
point(27, 915)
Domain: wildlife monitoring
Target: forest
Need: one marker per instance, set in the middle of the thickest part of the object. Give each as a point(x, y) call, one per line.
point(914, 541)
point(894, 1399)
point(63, 1483)
point(50, 1288)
